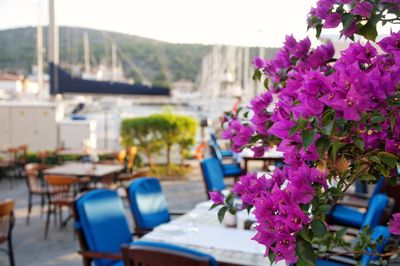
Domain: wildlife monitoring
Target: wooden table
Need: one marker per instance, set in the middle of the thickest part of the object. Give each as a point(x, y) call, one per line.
point(82, 152)
point(270, 157)
point(199, 229)
point(84, 169)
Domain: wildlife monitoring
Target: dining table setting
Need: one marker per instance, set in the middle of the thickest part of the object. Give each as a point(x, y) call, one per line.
point(229, 242)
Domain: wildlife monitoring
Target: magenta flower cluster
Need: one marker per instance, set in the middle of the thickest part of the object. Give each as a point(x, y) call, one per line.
point(353, 15)
point(306, 84)
point(394, 224)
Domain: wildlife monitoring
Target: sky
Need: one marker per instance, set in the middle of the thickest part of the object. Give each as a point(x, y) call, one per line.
point(237, 22)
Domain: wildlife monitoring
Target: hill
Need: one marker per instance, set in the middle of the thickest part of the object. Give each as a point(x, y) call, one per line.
point(141, 58)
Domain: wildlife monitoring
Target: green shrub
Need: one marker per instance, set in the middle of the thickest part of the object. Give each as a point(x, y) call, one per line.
point(156, 132)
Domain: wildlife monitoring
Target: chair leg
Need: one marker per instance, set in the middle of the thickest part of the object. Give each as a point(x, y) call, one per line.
point(60, 217)
point(47, 221)
point(11, 252)
point(29, 208)
point(41, 204)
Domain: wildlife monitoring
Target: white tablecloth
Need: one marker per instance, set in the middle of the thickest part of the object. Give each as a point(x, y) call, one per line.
point(200, 229)
point(271, 153)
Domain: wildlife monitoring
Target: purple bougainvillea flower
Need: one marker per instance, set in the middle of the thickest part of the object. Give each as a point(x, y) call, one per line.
point(302, 48)
point(332, 20)
point(363, 9)
point(394, 224)
point(392, 146)
point(258, 62)
point(323, 7)
point(238, 133)
point(350, 30)
point(216, 197)
point(281, 129)
point(391, 44)
point(250, 187)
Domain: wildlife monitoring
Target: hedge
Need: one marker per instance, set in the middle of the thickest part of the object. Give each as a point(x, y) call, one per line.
point(152, 134)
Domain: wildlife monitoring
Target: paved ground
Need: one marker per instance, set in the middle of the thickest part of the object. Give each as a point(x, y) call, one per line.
point(60, 248)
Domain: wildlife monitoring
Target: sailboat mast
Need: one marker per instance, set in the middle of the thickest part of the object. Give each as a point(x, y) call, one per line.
point(39, 55)
point(86, 52)
point(53, 53)
point(114, 61)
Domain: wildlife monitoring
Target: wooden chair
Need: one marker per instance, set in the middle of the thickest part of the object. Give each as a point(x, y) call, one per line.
point(35, 187)
point(60, 193)
point(131, 172)
point(8, 164)
point(161, 254)
point(6, 227)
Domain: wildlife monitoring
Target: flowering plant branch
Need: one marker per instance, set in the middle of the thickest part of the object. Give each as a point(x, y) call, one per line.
point(336, 121)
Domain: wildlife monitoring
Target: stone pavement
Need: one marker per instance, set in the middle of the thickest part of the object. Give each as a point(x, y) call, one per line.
point(60, 248)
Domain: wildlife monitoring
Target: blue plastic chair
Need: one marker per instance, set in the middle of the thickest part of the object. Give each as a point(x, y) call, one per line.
point(365, 196)
point(378, 231)
point(154, 253)
point(102, 227)
point(351, 216)
point(148, 204)
point(228, 169)
point(224, 153)
point(212, 175)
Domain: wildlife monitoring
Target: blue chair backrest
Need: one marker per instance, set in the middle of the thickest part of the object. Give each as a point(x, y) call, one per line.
point(148, 204)
point(378, 232)
point(103, 222)
point(213, 137)
point(215, 150)
point(378, 186)
point(175, 248)
point(376, 208)
point(212, 174)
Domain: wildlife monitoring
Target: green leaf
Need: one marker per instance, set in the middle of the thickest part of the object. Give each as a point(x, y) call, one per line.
point(257, 75)
point(367, 177)
point(305, 252)
point(232, 211)
point(300, 124)
point(322, 145)
point(341, 232)
point(392, 181)
point(307, 136)
point(318, 29)
point(221, 214)
point(265, 83)
point(359, 142)
point(335, 192)
point(374, 159)
point(369, 31)
point(336, 146)
point(347, 20)
point(248, 209)
point(377, 119)
point(328, 120)
point(229, 199)
point(305, 234)
point(322, 209)
point(392, 121)
point(213, 206)
point(318, 228)
point(383, 170)
point(388, 159)
point(271, 256)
